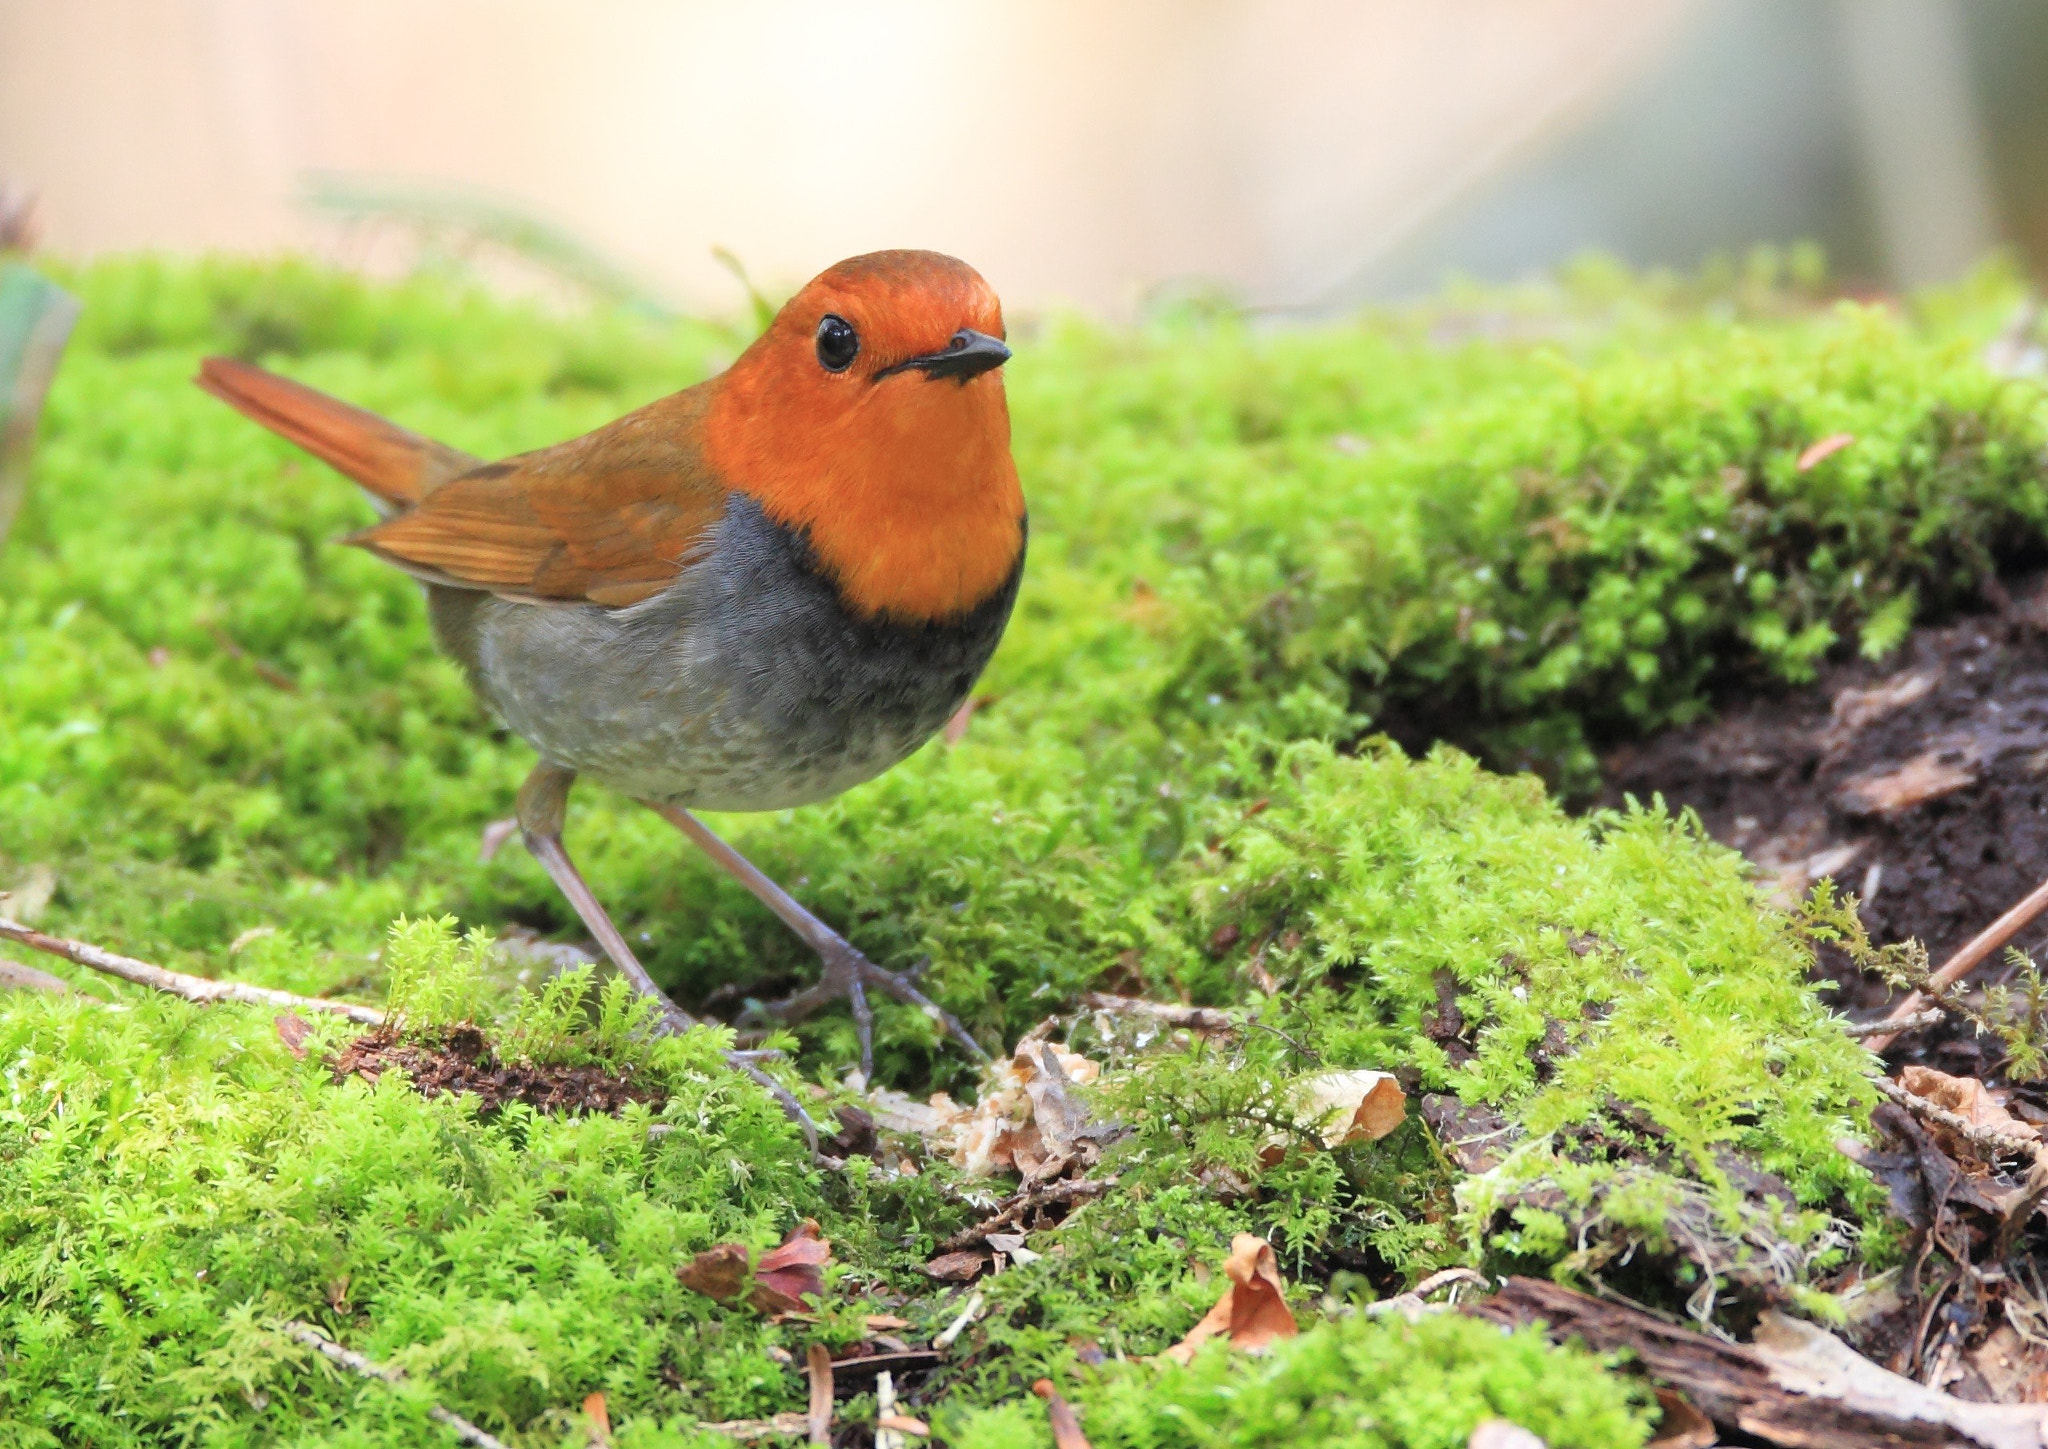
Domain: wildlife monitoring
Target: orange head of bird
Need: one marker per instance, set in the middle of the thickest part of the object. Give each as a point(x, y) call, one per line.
point(870, 417)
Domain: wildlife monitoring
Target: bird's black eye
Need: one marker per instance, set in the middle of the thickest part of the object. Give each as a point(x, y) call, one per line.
point(838, 343)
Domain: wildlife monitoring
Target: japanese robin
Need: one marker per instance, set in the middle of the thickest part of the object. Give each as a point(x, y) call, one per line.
point(751, 594)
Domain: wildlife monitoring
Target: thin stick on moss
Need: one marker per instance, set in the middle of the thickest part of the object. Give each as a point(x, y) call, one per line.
point(1186, 1018)
point(354, 1362)
point(819, 1420)
point(1957, 966)
point(201, 989)
point(1862, 1029)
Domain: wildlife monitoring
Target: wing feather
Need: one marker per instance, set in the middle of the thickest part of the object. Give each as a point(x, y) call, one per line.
point(610, 518)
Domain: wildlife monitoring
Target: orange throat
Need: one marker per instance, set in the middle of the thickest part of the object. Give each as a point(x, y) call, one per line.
point(906, 491)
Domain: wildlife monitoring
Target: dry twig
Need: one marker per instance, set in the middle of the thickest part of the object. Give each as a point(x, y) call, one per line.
point(349, 1359)
point(201, 989)
point(1185, 1018)
point(1011, 1211)
point(1957, 966)
point(959, 1325)
point(1886, 1026)
point(819, 1420)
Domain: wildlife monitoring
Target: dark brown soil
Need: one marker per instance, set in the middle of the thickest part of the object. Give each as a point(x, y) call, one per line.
point(462, 1062)
point(1920, 785)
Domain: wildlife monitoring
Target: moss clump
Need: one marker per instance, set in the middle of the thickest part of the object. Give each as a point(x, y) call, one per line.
point(173, 1183)
point(1354, 1383)
point(214, 723)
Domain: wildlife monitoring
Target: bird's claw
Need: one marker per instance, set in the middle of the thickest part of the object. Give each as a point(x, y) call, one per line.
point(849, 974)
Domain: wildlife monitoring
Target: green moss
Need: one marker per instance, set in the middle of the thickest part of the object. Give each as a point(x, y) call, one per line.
point(1249, 550)
point(1354, 1383)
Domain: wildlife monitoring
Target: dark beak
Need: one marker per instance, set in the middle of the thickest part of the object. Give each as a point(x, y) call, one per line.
point(968, 354)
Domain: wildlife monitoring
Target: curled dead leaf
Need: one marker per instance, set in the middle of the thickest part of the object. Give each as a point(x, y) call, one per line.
point(783, 1276)
point(786, 1275)
point(717, 1273)
point(1356, 1106)
point(291, 1030)
point(1253, 1311)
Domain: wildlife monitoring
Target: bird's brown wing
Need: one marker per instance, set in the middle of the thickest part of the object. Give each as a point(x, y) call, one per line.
point(610, 517)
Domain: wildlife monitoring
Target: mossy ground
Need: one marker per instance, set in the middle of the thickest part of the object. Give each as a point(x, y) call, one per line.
point(1576, 518)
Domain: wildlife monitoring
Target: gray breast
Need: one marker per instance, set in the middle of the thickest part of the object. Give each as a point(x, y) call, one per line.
point(746, 685)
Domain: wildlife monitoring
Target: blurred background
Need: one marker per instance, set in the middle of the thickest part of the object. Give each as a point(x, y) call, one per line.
point(1298, 155)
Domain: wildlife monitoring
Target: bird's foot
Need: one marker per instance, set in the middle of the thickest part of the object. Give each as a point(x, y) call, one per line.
point(850, 975)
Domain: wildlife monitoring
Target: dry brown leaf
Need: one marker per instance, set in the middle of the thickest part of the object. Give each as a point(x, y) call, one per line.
point(291, 1030)
point(784, 1276)
point(1357, 1106)
point(1969, 1099)
point(1253, 1311)
point(957, 1267)
point(1886, 792)
point(718, 1272)
point(904, 1424)
point(1852, 710)
point(1066, 1427)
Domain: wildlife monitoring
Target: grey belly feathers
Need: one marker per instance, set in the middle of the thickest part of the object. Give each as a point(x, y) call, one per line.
point(745, 685)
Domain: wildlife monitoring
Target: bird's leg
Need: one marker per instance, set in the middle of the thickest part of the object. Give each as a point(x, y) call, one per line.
point(847, 972)
point(543, 806)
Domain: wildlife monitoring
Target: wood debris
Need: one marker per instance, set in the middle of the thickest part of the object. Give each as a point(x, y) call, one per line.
point(1028, 1120)
point(1797, 1386)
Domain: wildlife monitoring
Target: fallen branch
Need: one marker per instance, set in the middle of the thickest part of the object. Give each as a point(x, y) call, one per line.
point(14, 975)
point(1796, 1386)
point(349, 1359)
point(1959, 965)
point(202, 989)
point(1011, 1212)
point(782, 1426)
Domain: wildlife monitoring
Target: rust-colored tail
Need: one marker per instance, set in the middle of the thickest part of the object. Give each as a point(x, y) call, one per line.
point(398, 467)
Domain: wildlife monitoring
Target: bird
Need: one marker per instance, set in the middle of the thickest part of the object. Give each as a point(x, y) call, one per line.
point(752, 594)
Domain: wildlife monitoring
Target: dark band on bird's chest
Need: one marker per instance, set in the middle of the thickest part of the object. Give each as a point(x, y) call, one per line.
point(830, 671)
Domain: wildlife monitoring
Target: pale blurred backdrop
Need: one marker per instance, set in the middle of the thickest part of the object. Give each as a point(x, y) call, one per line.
point(1293, 154)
